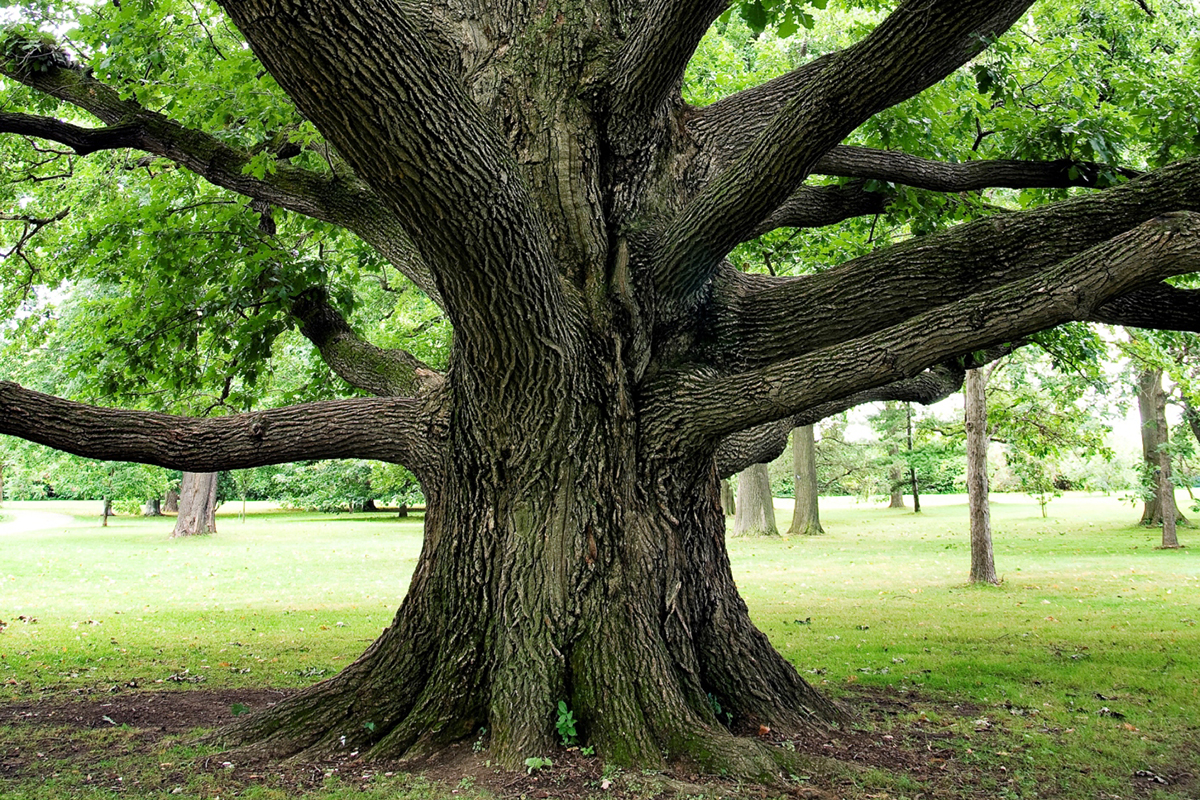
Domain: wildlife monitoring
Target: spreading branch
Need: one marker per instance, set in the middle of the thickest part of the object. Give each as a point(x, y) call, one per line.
point(756, 320)
point(338, 200)
point(1161, 307)
point(916, 46)
point(400, 430)
point(387, 373)
point(701, 406)
point(923, 173)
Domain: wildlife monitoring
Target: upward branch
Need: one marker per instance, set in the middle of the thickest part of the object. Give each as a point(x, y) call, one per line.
point(365, 76)
point(916, 46)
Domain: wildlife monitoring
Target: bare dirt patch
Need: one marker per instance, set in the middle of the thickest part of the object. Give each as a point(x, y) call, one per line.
point(87, 732)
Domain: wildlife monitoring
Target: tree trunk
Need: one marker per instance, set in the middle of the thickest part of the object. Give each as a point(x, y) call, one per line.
point(912, 470)
point(983, 565)
point(171, 502)
point(152, 508)
point(106, 512)
point(1165, 487)
point(755, 506)
point(614, 599)
point(806, 519)
point(197, 505)
point(896, 478)
point(1152, 412)
point(728, 503)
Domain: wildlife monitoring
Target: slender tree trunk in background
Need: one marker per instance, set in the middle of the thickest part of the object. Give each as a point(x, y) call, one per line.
point(896, 478)
point(171, 502)
point(152, 508)
point(197, 505)
point(1152, 412)
point(983, 565)
point(1166, 488)
point(806, 519)
point(755, 507)
point(728, 504)
point(106, 512)
point(912, 471)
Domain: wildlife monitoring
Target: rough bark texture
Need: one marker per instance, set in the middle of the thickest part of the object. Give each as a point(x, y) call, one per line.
point(535, 170)
point(755, 506)
point(806, 519)
point(197, 505)
point(983, 563)
point(171, 502)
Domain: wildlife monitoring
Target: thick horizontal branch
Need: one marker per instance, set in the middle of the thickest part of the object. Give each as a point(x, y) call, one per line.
point(337, 200)
point(917, 45)
point(387, 373)
point(757, 320)
point(399, 430)
point(940, 176)
point(699, 406)
point(1161, 307)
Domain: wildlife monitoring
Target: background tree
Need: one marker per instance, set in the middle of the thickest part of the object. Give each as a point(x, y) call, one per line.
point(535, 171)
point(983, 562)
point(755, 515)
point(806, 518)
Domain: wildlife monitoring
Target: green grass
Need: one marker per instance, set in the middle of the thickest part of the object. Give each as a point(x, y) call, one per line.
point(1090, 616)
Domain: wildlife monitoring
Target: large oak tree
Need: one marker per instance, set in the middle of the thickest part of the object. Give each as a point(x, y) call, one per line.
point(534, 169)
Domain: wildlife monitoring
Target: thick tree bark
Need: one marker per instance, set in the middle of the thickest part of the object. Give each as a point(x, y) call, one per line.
point(533, 167)
point(755, 506)
point(806, 519)
point(197, 505)
point(983, 563)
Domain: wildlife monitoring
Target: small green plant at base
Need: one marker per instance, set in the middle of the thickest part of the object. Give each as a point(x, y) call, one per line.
point(566, 724)
point(589, 751)
point(536, 764)
point(477, 747)
point(369, 727)
point(237, 709)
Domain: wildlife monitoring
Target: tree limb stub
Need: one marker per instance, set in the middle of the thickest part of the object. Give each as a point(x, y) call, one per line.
point(387, 373)
point(701, 404)
point(399, 430)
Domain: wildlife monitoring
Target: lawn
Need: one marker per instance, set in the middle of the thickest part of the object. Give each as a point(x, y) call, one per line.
point(1078, 677)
